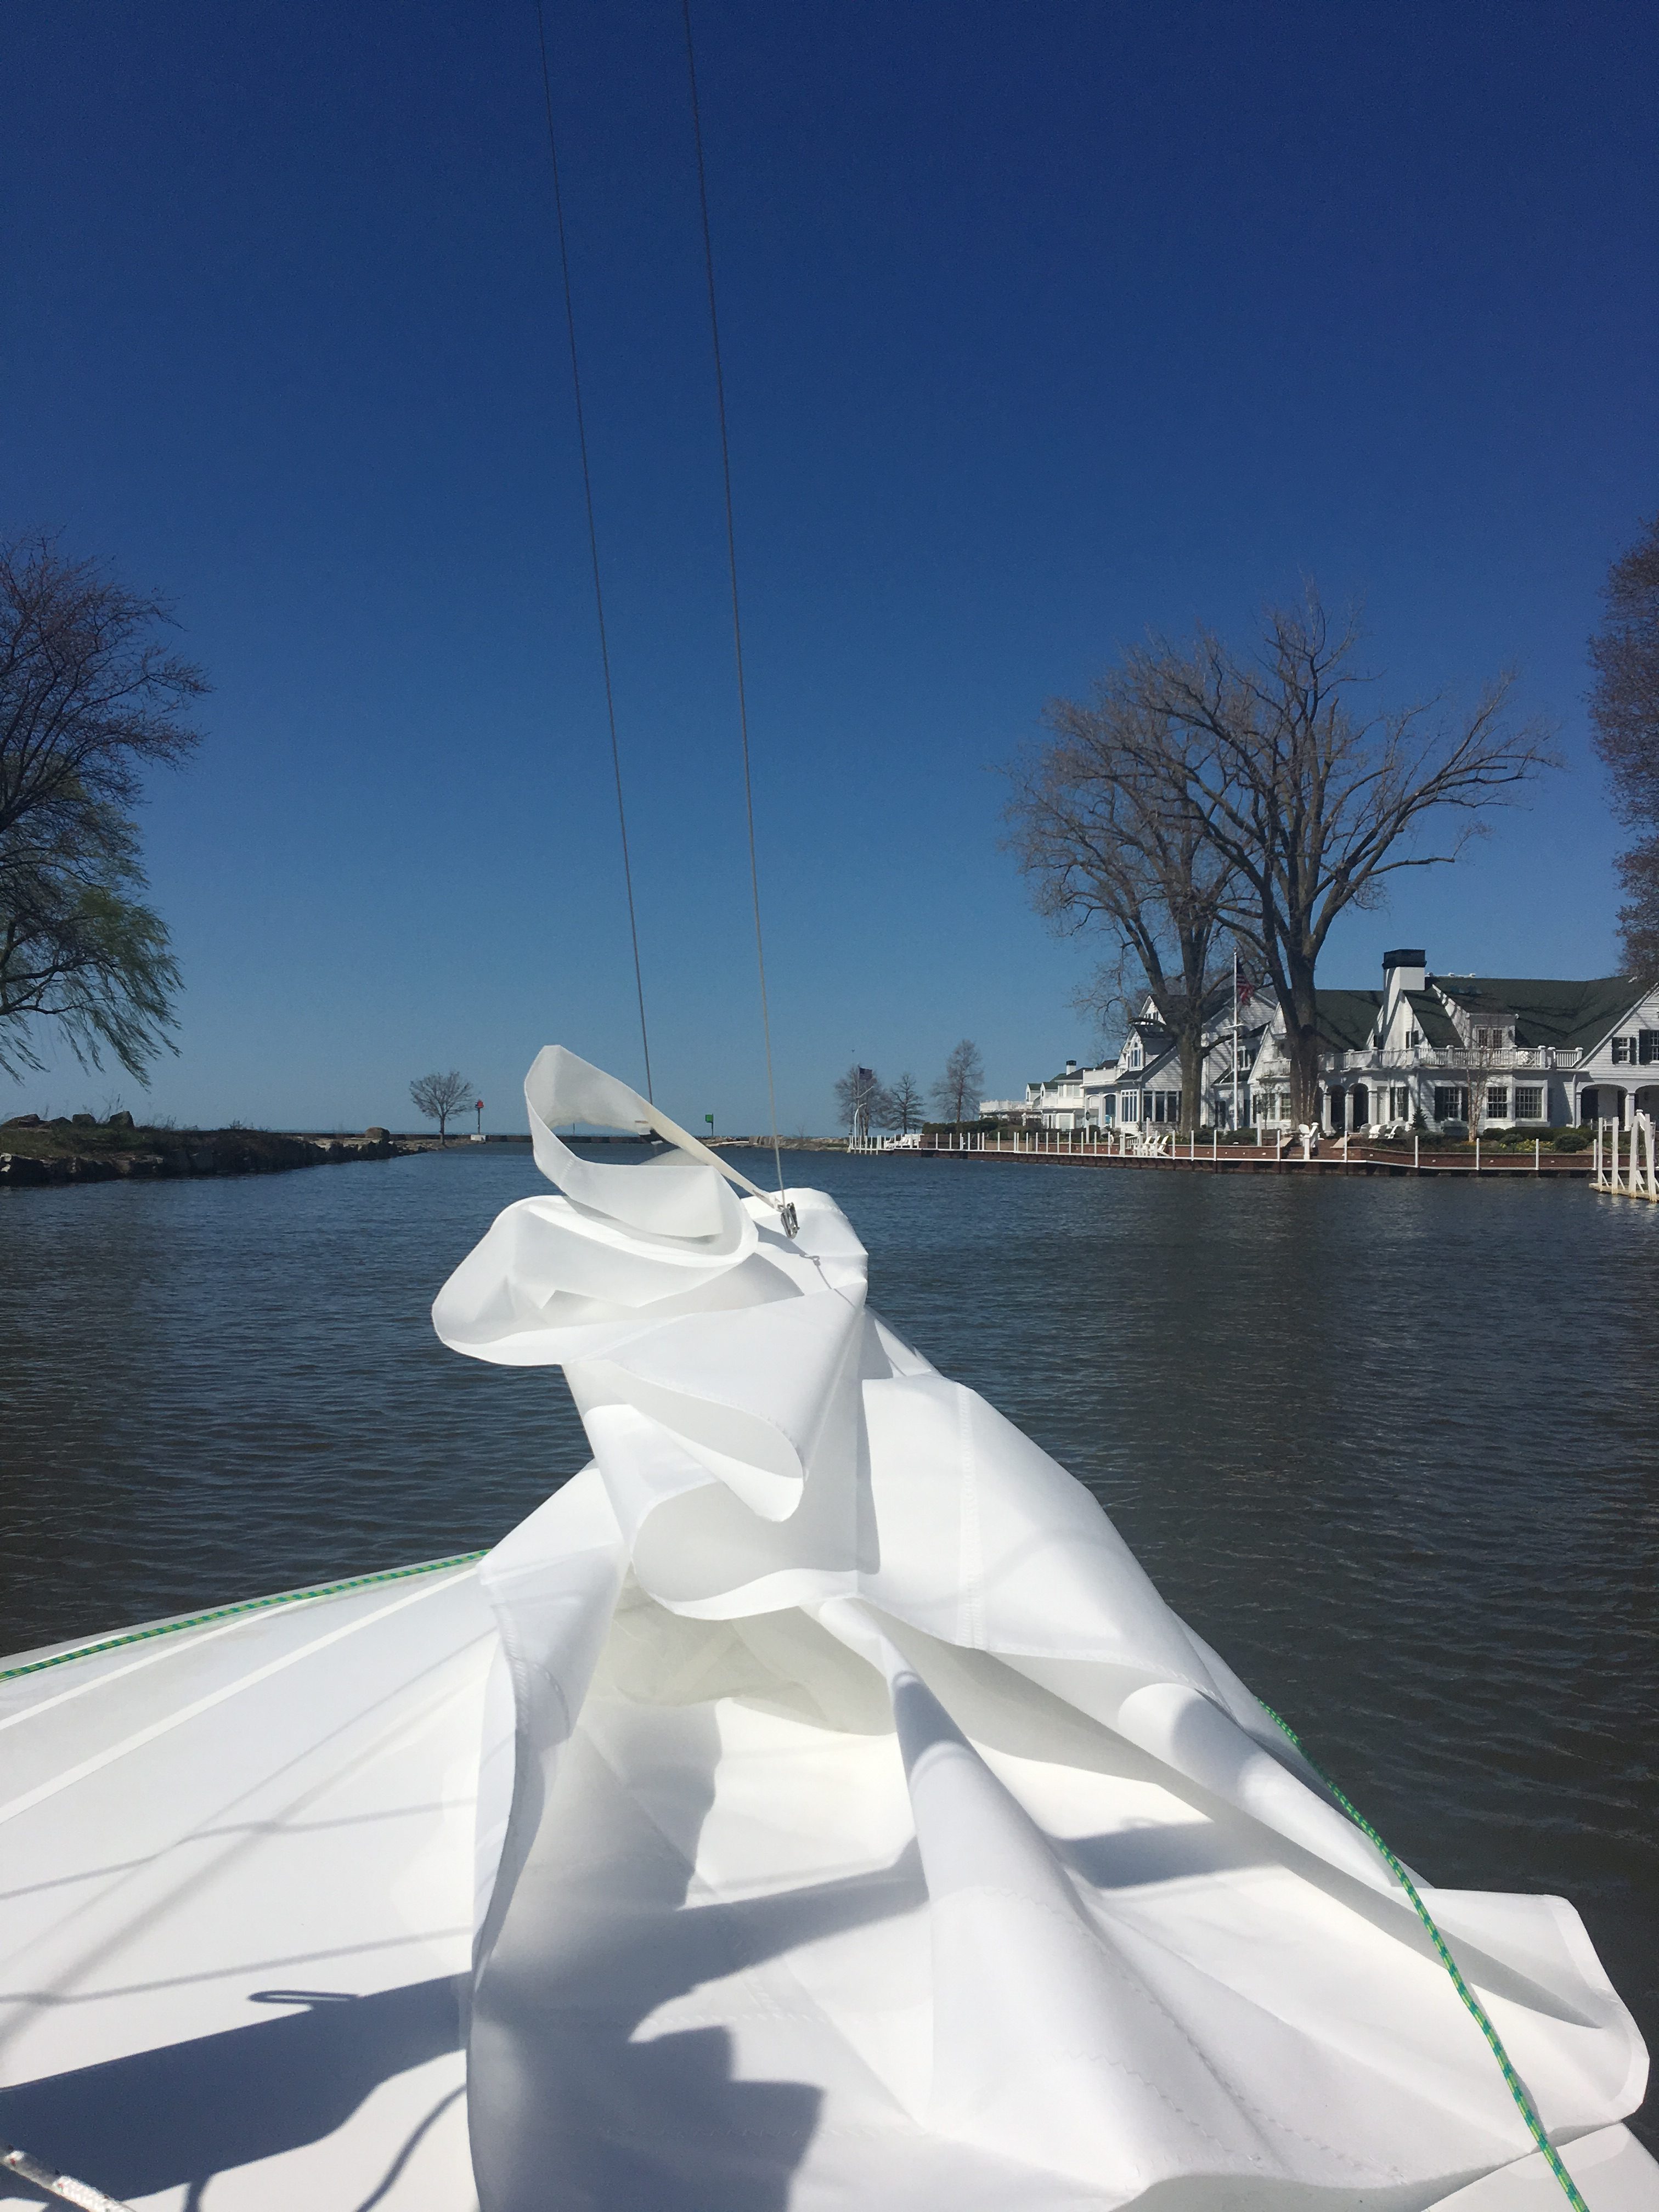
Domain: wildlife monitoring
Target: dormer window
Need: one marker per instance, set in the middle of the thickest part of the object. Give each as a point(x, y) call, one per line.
point(1414, 1037)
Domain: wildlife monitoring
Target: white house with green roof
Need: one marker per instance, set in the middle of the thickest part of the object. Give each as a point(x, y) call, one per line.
point(1485, 1052)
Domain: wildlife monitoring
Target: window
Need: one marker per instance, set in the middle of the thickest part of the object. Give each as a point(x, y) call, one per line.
point(1108, 1107)
point(1414, 1037)
point(1624, 1048)
point(1451, 1102)
point(1497, 1102)
point(1162, 1105)
point(1132, 1057)
point(1528, 1101)
point(1647, 1046)
point(1400, 1103)
point(1131, 1106)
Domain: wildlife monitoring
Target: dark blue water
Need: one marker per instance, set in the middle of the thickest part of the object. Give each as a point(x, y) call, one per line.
point(1392, 1447)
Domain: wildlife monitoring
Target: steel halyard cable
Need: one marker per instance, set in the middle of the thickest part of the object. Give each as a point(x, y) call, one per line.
point(785, 1210)
point(592, 532)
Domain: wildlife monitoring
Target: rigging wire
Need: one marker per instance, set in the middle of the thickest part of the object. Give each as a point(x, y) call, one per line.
point(594, 535)
point(737, 619)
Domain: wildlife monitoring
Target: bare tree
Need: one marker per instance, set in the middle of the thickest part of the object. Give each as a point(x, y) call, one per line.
point(1624, 709)
point(1483, 1065)
point(90, 697)
point(1313, 800)
point(859, 1095)
point(905, 1102)
point(1101, 823)
point(438, 1097)
point(961, 1084)
point(1638, 917)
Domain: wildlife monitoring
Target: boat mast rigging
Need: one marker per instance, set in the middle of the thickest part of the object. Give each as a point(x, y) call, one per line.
point(736, 618)
point(592, 533)
point(785, 1210)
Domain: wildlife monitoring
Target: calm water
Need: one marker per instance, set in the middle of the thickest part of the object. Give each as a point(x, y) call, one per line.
point(1392, 1447)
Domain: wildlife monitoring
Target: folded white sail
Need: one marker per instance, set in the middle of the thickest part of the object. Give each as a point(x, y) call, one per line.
point(859, 1824)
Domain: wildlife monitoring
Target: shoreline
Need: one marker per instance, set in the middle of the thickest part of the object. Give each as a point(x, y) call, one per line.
point(33, 1157)
point(39, 1155)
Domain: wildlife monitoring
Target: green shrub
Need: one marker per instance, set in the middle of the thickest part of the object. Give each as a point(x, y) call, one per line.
point(1572, 1141)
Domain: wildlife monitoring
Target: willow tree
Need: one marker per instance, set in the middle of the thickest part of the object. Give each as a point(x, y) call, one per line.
point(1625, 710)
point(1101, 823)
point(1311, 796)
point(92, 697)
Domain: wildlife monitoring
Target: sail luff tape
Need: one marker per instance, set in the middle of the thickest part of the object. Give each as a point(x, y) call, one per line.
point(229, 1611)
point(1517, 2088)
point(64, 2186)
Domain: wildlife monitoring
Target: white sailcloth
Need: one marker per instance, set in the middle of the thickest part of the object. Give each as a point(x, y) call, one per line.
point(858, 1823)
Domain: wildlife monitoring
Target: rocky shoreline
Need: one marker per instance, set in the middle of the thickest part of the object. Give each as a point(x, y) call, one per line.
point(80, 1149)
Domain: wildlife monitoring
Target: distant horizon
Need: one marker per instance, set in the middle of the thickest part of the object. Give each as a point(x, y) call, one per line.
point(322, 1127)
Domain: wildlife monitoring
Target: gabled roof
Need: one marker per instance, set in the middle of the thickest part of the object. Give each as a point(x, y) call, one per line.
point(1070, 1075)
point(1438, 1026)
point(1546, 1010)
point(1348, 1018)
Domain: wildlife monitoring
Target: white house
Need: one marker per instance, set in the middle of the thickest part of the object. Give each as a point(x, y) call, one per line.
point(1482, 1051)
point(1071, 1100)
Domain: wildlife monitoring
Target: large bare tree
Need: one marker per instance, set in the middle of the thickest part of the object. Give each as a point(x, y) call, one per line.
point(1314, 796)
point(92, 696)
point(1624, 709)
point(1102, 823)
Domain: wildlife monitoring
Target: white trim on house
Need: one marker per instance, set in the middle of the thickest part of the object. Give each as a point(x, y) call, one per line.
point(1541, 1054)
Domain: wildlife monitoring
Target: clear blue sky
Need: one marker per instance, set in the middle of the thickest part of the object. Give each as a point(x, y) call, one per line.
point(1045, 324)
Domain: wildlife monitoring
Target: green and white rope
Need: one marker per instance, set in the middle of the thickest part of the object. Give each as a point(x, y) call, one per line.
point(1517, 2088)
point(229, 1612)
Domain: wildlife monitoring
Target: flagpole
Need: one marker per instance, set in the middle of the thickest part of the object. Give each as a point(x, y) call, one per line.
point(1234, 1037)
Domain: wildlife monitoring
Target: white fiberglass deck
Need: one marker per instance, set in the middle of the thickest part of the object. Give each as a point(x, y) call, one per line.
point(811, 1805)
point(236, 1906)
